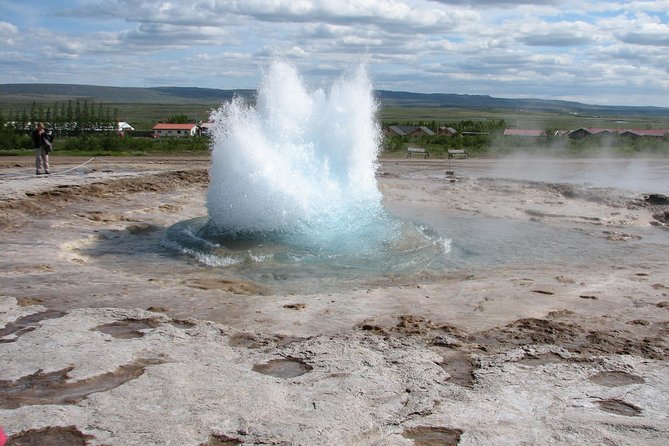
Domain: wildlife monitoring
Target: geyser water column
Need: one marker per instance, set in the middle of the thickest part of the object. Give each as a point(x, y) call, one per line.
point(298, 162)
point(293, 198)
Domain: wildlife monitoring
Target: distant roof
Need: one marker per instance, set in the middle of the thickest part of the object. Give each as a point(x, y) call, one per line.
point(523, 132)
point(165, 126)
point(638, 132)
point(409, 129)
point(595, 130)
point(646, 132)
point(122, 125)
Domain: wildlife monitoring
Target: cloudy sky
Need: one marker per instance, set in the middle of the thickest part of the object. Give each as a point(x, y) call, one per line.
point(593, 51)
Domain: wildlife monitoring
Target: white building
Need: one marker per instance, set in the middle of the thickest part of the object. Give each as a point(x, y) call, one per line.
point(123, 126)
point(175, 130)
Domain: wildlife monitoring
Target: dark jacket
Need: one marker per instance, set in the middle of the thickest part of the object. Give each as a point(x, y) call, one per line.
point(42, 140)
point(37, 139)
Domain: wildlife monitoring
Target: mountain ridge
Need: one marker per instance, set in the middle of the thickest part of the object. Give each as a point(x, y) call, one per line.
point(387, 98)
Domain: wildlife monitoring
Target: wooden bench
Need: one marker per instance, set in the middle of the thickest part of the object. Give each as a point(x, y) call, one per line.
point(417, 150)
point(458, 153)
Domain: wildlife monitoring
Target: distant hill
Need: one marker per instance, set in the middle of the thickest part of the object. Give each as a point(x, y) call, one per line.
point(403, 99)
point(132, 95)
point(194, 95)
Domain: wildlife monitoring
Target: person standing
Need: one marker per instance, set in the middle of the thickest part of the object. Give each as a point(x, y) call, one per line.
point(42, 148)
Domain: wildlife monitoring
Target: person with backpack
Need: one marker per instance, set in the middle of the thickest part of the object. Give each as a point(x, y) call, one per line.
point(42, 145)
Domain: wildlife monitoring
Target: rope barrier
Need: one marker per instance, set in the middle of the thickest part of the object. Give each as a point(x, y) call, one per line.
point(25, 177)
point(74, 168)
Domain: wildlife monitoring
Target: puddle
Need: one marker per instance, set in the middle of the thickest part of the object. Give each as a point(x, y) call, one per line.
point(128, 328)
point(461, 368)
point(619, 407)
point(221, 440)
point(283, 368)
point(616, 379)
point(52, 436)
point(433, 436)
point(53, 388)
point(27, 324)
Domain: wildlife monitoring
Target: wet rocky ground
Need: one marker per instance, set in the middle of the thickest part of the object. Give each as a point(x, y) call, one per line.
point(107, 339)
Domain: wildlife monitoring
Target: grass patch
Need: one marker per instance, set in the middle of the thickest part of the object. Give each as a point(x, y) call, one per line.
point(113, 145)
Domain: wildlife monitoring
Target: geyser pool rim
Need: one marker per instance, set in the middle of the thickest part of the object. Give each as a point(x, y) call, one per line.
point(405, 249)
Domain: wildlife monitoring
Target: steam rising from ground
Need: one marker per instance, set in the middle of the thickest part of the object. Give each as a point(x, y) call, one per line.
point(644, 175)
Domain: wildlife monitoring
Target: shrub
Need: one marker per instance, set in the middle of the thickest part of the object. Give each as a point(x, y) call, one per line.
point(114, 144)
point(11, 140)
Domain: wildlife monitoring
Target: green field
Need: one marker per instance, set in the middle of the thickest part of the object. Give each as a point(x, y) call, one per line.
point(524, 120)
point(143, 108)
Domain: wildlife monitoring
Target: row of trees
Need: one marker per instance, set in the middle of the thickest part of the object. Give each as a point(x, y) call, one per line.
point(65, 118)
point(486, 138)
point(91, 134)
point(466, 126)
point(477, 139)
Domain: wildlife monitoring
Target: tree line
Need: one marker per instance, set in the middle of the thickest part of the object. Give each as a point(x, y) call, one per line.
point(69, 118)
point(478, 139)
point(464, 126)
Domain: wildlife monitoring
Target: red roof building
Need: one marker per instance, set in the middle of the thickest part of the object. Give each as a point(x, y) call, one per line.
point(175, 130)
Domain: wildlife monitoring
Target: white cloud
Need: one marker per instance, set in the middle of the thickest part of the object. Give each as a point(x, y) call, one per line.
point(647, 30)
point(498, 3)
point(552, 48)
point(7, 29)
point(9, 33)
point(349, 12)
point(167, 35)
point(556, 34)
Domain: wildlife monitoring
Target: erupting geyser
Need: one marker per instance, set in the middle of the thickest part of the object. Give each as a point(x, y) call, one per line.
point(299, 161)
point(293, 184)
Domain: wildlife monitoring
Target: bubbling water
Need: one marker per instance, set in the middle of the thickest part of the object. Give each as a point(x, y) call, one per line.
point(293, 191)
point(299, 161)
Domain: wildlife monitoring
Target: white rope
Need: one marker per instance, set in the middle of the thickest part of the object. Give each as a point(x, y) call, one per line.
point(73, 168)
point(25, 177)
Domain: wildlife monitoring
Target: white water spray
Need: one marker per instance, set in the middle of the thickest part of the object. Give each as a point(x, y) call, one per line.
point(300, 161)
point(293, 200)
